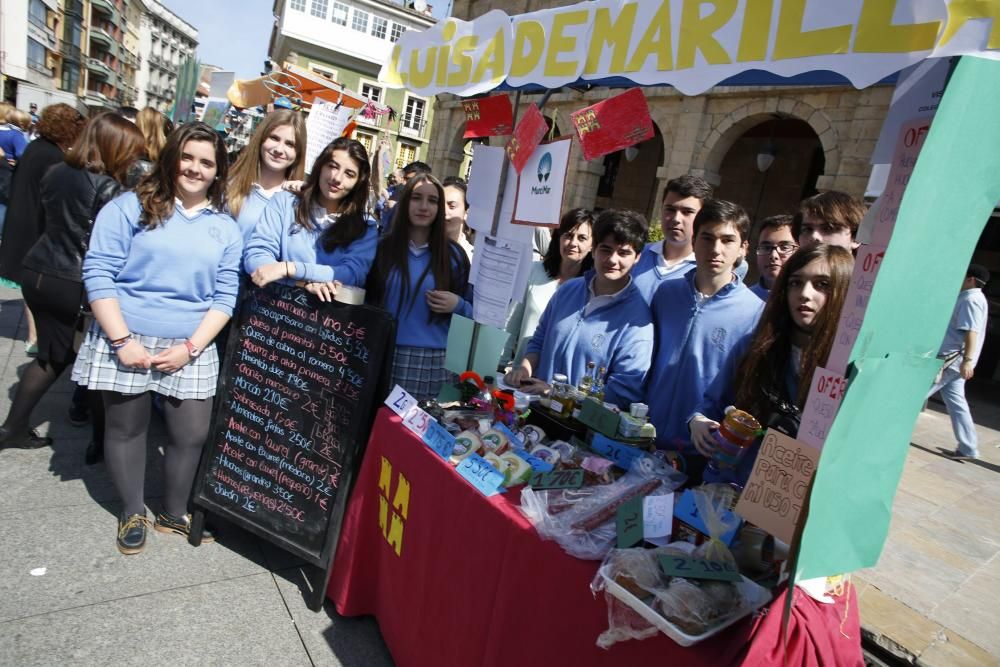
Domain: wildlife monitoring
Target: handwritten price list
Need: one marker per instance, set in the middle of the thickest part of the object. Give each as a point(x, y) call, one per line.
point(296, 376)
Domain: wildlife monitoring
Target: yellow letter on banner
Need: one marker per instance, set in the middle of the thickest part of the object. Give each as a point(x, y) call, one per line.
point(394, 75)
point(493, 60)
point(791, 42)
point(696, 33)
point(444, 53)
point(877, 34)
point(616, 33)
point(401, 501)
point(560, 43)
point(532, 34)
point(960, 11)
point(656, 40)
point(385, 477)
point(421, 78)
point(460, 57)
point(756, 31)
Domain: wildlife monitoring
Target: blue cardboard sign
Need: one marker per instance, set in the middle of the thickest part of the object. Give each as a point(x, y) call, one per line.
point(619, 452)
point(480, 474)
point(439, 439)
point(537, 464)
point(514, 441)
point(686, 510)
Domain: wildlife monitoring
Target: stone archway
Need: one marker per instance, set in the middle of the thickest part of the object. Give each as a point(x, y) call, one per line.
point(632, 183)
point(708, 160)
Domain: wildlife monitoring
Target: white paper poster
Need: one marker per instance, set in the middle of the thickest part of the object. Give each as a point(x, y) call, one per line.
point(822, 404)
point(484, 182)
point(497, 263)
point(542, 183)
point(325, 123)
point(866, 267)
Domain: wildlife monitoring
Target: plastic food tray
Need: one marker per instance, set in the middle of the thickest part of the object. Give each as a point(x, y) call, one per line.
point(758, 596)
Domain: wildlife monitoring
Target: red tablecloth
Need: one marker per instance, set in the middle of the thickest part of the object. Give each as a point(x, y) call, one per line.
point(456, 578)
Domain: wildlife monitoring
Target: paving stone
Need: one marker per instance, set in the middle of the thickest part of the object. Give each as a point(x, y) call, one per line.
point(955, 651)
point(238, 621)
point(972, 607)
point(919, 579)
point(897, 628)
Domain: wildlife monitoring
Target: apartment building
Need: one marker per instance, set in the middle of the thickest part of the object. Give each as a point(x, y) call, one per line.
point(165, 41)
point(347, 41)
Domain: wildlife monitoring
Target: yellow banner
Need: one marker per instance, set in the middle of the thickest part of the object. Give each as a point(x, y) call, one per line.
point(689, 44)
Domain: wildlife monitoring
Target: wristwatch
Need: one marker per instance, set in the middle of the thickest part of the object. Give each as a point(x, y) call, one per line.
point(192, 350)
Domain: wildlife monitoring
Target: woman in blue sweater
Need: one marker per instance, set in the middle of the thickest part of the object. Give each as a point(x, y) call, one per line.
point(420, 276)
point(322, 236)
point(275, 154)
point(161, 275)
point(600, 317)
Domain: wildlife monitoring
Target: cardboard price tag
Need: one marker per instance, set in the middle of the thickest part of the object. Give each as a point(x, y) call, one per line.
point(629, 524)
point(417, 421)
point(476, 471)
point(400, 401)
point(439, 440)
point(623, 455)
point(537, 464)
point(558, 479)
point(690, 567)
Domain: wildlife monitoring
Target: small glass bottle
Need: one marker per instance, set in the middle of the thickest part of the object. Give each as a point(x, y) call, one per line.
point(557, 393)
point(587, 381)
point(598, 389)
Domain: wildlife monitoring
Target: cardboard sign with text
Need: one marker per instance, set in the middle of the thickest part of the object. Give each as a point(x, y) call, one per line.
point(613, 124)
point(866, 267)
point(776, 490)
point(541, 185)
point(488, 117)
point(528, 134)
point(822, 404)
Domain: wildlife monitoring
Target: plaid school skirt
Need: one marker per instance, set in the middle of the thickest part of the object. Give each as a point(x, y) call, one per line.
point(97, 368)
point(420, 371)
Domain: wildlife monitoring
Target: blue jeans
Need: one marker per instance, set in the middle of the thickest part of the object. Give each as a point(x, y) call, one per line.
point(952, 388)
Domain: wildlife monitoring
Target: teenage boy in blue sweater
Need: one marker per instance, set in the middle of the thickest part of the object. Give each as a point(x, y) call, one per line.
point(599, 317)
point(701, 321)
point(674, 255)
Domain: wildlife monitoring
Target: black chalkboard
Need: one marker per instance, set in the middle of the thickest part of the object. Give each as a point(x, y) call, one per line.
point(294, 408)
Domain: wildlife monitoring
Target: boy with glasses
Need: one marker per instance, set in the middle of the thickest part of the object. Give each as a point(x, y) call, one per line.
point(775, 244)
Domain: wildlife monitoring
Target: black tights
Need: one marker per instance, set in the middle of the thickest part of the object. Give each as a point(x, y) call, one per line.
point(127, 424)
point(37, 379)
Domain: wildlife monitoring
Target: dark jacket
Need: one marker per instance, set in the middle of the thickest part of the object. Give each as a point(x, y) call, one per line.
point(70, 198)
point(24, 223)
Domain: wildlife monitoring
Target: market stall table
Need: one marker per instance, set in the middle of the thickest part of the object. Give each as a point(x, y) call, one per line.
point(457, 578)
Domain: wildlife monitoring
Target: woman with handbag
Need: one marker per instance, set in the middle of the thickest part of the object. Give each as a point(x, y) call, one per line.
point(71, 194)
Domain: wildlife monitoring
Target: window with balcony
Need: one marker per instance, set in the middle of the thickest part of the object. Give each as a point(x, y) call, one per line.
point(367, 140)
point(339, 15)
point(397, 32)
point(371, 91)
point(413, 117)
point(36, 56)
point(379, 27)
point(318, 8)
point(70, 77)
point(297, 5)
point(359, 21)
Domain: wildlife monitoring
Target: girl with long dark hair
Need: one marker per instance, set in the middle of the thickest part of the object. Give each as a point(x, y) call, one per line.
point(794, 335)
point(421, 277)
point(71, 193)
point(323, 235)
point(161, 275)
point(275, 154)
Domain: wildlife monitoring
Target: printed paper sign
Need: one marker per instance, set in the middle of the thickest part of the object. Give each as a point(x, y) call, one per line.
point(657, 515)
point(866, 267)
point(777, 487)
point(821, 406)
point(613, 124)
point(528, 134)
point(541, 185)
point(496, 268)
point(904, 158)
point(325, 123)
point(488, 117)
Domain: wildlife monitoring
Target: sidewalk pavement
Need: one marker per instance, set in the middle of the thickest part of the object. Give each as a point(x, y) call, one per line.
point(68, 597)
point(933, 597)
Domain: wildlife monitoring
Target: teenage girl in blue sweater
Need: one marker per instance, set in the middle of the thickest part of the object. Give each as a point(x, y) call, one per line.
point(420, 277)
point(275, 154)
point(322, 236)
point(161, 275)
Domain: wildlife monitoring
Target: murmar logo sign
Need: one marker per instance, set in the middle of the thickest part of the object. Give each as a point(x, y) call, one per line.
point(544, 171)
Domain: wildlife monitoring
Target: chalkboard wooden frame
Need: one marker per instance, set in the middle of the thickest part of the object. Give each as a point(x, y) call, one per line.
point(374, 389)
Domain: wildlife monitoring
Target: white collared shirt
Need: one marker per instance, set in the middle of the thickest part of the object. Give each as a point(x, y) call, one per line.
point(419, 250)
point(595, 301)
point(322, 217)
point(663, 268)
